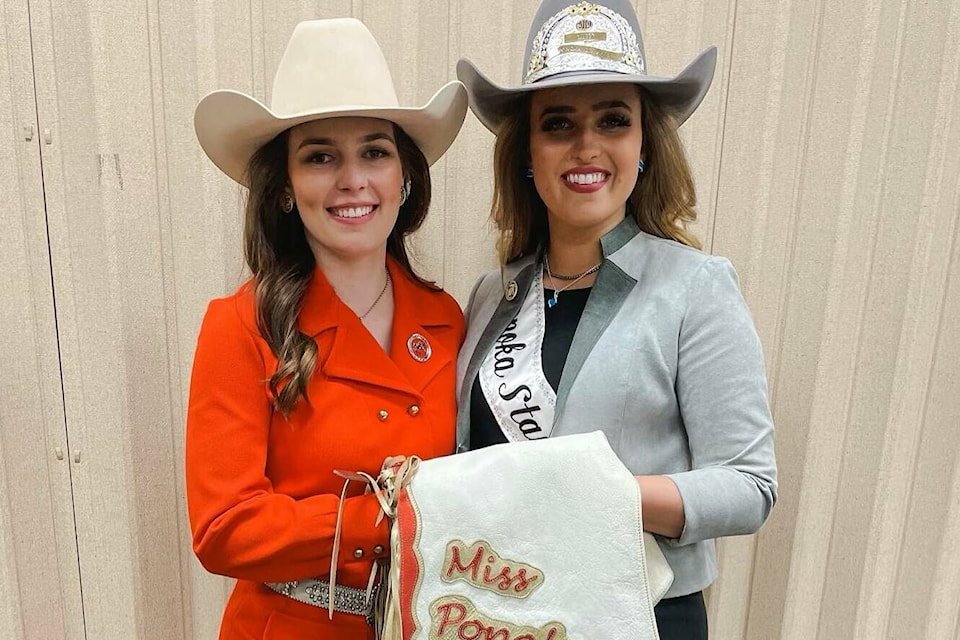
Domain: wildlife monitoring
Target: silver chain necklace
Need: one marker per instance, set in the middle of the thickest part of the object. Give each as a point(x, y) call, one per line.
point(574, 279)
point(377, 301)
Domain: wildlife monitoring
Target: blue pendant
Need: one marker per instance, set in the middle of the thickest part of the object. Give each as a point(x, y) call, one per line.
point(552, 302)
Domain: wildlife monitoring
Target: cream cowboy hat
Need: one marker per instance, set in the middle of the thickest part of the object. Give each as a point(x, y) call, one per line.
point(331, 68)
point(587, 43)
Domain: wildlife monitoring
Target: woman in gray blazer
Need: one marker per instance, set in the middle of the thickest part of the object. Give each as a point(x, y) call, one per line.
point(605, 314)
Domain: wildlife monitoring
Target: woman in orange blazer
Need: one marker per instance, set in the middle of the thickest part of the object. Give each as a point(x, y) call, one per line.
point(335, 355)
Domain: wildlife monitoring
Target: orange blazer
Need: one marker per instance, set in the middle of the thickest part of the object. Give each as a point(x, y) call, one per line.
point(261, 491)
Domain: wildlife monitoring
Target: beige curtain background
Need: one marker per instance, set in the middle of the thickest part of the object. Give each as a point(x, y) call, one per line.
point(827, 160)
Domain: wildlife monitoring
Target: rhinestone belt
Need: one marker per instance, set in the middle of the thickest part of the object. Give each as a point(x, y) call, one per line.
point(316, 592)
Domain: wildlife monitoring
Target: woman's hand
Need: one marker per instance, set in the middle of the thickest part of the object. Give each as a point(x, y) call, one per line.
point(662, 506)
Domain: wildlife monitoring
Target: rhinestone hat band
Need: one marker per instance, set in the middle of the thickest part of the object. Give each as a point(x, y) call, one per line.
point(584, 37)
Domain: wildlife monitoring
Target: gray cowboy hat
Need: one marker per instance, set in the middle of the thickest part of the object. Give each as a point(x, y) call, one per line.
point(587, 43)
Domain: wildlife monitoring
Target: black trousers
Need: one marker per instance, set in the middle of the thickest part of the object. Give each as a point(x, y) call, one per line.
point(682, 618)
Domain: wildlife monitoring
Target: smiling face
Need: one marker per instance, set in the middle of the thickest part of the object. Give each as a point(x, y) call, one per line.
point(345, 175)
point(585, 142)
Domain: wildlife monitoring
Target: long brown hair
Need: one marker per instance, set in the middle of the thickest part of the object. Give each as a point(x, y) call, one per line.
point(282, 264)
point(662, 202)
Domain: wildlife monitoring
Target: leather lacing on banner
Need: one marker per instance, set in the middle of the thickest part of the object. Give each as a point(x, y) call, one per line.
point(395, 475)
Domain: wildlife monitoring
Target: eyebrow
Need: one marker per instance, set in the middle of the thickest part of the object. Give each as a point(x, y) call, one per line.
point(611, 104)
point(600, 106)
point(329, 142)
point(370, 137)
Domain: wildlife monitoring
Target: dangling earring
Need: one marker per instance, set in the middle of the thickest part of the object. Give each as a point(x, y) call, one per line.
point(286, 202)
point(641, 166)
point(529, 172)
point(405, 191)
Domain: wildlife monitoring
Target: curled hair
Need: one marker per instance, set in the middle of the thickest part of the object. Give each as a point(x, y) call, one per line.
point(279, 257)
point(662, 203)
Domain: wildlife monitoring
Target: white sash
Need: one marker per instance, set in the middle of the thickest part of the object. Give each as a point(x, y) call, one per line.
point(511, 376)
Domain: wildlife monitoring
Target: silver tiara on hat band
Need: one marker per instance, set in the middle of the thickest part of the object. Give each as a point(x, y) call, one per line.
point(585, 37)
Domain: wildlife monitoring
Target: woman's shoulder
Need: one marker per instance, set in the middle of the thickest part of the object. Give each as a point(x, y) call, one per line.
point(494, 283)
point(488, 286)
point(646, 251)
point(489, 281)
point(234, 311)
point(447, 305)
point(672, 248)
point(432, 302)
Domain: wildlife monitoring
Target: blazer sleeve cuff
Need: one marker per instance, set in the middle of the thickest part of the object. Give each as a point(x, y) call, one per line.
point(361, 538)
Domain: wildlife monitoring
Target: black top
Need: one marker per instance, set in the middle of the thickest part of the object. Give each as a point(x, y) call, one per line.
point(561, 324)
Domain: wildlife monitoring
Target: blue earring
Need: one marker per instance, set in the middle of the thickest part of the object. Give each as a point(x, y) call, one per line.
point(641, 166)
point(528, 173)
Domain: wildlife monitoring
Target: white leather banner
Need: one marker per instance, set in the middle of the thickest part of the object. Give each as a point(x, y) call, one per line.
point(526, 541)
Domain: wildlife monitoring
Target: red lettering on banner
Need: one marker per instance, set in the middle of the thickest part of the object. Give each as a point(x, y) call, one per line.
point(501, 580)
point(444, 610)
point(470, 624)
point(487, 570)
point(453, 554)
point(523, 582)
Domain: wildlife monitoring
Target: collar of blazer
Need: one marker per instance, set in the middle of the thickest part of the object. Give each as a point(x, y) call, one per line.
point(610, 243)
point(355, 355)
point(611, 288)
point(318, 314)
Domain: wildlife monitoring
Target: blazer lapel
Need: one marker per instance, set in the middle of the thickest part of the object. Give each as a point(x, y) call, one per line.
point(355, 354)
point(502, 316)
point(415, 350)
point(610, 289)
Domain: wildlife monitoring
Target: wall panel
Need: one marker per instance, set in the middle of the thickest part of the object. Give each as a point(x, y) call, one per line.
point(827, 159)
point(39, 573)
point(674, 32)
point(903, 596)
point(491, 36)
point(95, 94)
point(765, 117)
point(202, 47)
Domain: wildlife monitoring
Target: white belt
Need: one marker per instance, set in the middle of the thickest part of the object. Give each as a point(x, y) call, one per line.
point(362, 602)
point(316, 592)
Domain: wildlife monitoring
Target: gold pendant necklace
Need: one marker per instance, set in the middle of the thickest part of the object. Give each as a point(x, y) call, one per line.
point(377, 301)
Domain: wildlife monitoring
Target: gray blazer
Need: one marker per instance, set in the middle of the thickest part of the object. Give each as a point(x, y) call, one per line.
point(667, 363)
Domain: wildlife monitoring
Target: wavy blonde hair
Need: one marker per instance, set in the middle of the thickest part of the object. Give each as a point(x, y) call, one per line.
point(282, 264)
point(662, 203)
